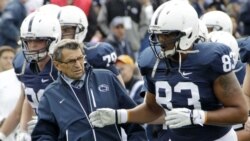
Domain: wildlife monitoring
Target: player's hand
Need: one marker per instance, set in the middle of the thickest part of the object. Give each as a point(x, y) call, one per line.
point(180, 117)
point(23, 136)
point(106, 116)
point(32, 124)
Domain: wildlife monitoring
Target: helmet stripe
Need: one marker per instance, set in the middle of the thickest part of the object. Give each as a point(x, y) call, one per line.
point(30, 23)
point(157, 17)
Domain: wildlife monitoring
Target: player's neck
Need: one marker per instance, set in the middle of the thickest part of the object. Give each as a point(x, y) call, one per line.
point(175, 57)
point(42, 64)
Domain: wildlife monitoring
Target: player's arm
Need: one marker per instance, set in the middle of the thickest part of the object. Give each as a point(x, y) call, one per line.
point(13, 119)
point(228, 91)
point(27, 113)
point(246, 84)
point(146, 112)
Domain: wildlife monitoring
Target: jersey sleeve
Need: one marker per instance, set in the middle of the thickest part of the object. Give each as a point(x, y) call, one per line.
point(244, 45)
point(148, 84)
point(19, 64)
point(221, 62)
point(101, 55)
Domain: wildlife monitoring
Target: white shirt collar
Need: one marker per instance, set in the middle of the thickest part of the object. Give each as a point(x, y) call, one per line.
point(69, 80)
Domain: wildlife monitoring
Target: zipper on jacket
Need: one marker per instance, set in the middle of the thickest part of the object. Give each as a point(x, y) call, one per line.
point(67, 135)
point(92, 128)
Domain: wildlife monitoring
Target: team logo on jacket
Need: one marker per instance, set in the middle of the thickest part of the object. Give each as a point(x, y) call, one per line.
point(103, 88)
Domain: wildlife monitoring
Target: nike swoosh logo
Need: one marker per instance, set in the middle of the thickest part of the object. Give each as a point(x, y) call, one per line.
point(186, 73)
point(44, 80)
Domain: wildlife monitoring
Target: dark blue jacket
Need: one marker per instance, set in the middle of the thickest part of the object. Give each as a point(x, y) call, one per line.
point(61, 118)
point(10, 22)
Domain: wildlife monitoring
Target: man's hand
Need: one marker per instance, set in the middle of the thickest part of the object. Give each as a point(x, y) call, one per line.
point(23, 136)
point(106, 116)
point(180, 117)
point(32, 124)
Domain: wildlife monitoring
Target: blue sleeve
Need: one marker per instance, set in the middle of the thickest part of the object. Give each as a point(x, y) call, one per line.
point(222, 63)
point(46, 127)
point(138, 98)
point(135, 132)
point(148, 84)
point(19, 64)
point(244, 45)
point(101, 55)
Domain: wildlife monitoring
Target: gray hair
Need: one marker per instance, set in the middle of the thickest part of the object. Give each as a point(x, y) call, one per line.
point(66, 44)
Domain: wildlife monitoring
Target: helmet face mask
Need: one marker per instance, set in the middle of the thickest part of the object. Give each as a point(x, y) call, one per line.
point(167, 41)
point(178, 18)
point(72, 31)
point(38, 54)
point(35, 55)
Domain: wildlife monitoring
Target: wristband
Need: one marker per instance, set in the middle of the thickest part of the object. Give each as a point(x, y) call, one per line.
point(122, 116)
point(199, 117)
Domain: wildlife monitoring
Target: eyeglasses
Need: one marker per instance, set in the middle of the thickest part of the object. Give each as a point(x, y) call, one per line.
point(73, 61)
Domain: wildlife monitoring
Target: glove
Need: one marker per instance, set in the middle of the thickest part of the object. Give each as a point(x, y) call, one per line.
point(105, 116)
point(23, 136)
point(32, 124)
point(180, 117)
point(2, 136)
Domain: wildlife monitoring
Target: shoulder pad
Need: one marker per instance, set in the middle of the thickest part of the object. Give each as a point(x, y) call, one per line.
point(146, 61)
point(18, 63)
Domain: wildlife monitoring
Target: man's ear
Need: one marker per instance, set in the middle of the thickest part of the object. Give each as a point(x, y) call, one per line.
point(57, 65)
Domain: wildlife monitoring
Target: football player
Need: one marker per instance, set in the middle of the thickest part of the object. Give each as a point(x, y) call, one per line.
point(39, 32)
point(220, 21)
point(194, 84)
point(244, 44)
